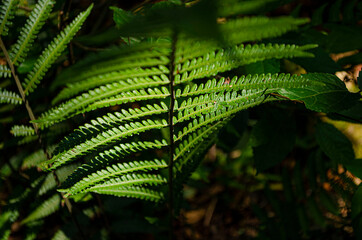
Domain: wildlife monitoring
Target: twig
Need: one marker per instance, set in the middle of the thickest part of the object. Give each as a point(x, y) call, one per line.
point(18, 84)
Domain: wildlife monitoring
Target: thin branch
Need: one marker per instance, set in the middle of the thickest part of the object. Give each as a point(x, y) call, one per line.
point(172, 142)
point(18, 84)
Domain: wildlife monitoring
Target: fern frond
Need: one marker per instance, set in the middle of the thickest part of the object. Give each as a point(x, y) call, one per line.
point(116, 59)
point(111, 172)
point(128, 180)
point(236, 32)
point(193, 139)
point(262, 81)
point(50, 183)
point(219, 115)
point(52, 52)
point(109, 157)
point(46, 208)
point(7, 11)
point(35, 158)
point(106, 96)
point(31, 28)
point(151, 93)
point(120, 65)
point(7, 217)
point(22, 131)
point(107, 122)
point(234, 7)
point(132, 192)
point(105, 138)
point(257, 28)
point(225, 60)
point(75, 88)
point(4, 71)
point(228, 99)
point(9, 97)
point(60, 235)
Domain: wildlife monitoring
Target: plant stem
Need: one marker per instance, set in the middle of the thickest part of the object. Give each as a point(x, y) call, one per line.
point(18, 84)
point(172, 142)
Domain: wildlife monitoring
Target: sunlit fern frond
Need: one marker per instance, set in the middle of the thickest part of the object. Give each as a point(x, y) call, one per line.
point(53, 51)
point(29, 32)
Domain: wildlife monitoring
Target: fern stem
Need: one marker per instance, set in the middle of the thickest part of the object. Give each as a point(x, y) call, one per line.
point(172, 141)
point(18, 84)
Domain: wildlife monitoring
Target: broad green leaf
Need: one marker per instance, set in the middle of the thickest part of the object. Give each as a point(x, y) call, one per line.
point(325, 93)
point(353, 114)
point(357, 203)
point(334, 143)
point(273, 138)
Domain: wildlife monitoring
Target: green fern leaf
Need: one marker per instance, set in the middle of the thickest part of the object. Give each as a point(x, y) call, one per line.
point(257, 28)
point(116, 59)
point(52, 52)
point(31, 28)
point(35, 158)
point(7, 11)
point(186, 146)
point(234, 7)
point(132, 192)
point(249, 82)
point(225, 60)
point(9, 97)
point(50, 182)
point(22, 131)
point(46, 208)
point(111, 172)
point(105, 96)
point(107, 122)
point(92, 82)
point(105, 138)
point(4, 71)
point(108, 158)
point(236, 32)
point(60, 235)
point(128, 180)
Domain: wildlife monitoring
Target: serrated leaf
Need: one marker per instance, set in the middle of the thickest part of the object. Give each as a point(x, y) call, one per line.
point(275, 136)
point(326, 93)
point(334, 143)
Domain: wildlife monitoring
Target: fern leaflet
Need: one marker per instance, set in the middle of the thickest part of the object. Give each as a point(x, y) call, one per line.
point(9, 97)
point(31, 28)
point(6, 14)
point(52, 52)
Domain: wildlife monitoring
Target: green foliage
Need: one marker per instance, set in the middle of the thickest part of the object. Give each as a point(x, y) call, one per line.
point(6, 15)
point(328, 89)
point(52, 52)
point(46, 208)
point(22, 130)
point(135, 121)
point(9, 97)
point(4, 71)
point(31, 28)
